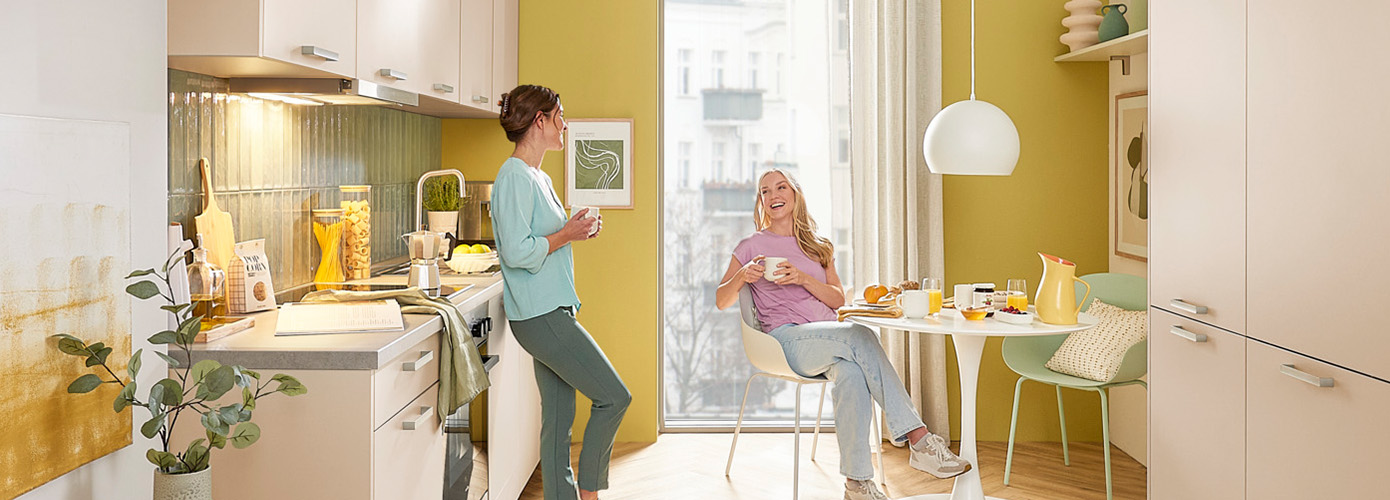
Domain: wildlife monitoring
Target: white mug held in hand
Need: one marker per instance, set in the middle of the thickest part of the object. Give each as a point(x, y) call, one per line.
point(770, 267)
point(916, 304)
point(592, 214)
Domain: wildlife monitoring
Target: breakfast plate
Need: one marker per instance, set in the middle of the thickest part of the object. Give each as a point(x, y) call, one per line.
point(863, 303)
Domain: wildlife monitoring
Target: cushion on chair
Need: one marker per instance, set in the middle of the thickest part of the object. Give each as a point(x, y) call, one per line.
point(1096, 353)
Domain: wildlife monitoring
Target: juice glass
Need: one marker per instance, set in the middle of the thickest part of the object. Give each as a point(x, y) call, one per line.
point(933, 289)
point(1018, 294)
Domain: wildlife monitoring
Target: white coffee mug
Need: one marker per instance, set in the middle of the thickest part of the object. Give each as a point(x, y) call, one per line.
point(770, 267)
point(916, 303)
point(592, 214)
point(965, 295)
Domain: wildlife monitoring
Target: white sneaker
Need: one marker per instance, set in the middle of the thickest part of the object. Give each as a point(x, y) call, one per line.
point(932, 454)
point(863, 490)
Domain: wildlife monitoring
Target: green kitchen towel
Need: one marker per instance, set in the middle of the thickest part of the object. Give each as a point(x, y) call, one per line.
point(461, 374)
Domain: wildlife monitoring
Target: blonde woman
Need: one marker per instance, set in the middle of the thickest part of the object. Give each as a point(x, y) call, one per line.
point(798, 309)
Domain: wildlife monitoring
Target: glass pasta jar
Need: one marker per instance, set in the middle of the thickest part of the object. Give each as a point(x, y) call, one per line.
point(328, 233)
point(357, 231)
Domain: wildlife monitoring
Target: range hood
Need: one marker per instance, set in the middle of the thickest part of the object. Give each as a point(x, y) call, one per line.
point(338, 91)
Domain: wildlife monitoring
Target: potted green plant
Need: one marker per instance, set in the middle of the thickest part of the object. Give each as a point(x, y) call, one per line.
point(194, 388)
point(442, 203)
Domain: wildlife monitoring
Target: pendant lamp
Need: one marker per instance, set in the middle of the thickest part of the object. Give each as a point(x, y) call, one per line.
point(971, 137)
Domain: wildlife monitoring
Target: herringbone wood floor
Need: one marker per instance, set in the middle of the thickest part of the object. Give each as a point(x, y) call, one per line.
point(691, 467)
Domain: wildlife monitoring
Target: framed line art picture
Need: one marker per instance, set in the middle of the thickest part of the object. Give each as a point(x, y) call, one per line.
point(598, 163)
point(1130, 169)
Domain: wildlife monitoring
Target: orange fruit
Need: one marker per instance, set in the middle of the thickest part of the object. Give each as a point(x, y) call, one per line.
point(874, 292)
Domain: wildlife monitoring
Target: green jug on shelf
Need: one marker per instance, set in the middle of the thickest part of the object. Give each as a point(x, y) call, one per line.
point(1113, 25)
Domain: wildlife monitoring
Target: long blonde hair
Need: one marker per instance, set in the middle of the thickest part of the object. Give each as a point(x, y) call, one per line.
point(803, 226)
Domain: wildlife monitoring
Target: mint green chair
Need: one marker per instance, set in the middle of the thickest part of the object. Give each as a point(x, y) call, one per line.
point(1028, 356)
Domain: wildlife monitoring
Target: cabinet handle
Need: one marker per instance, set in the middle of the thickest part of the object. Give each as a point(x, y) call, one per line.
point(310, 50)
point(444, 87)
point(418, 422)
point(1181, 332)
point(480, 99)
point(1311, 379)
point(425, 357)
point(391, 73)
point(1182, 305)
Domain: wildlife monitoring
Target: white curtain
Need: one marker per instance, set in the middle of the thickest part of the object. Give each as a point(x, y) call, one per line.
point(895, 90)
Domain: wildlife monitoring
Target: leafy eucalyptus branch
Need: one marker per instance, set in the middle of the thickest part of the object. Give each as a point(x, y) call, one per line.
point(197, 388)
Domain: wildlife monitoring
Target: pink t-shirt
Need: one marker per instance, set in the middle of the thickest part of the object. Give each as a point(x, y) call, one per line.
point(778, 304)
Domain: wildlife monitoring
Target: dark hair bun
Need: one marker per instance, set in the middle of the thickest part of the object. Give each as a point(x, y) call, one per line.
point(519, 108)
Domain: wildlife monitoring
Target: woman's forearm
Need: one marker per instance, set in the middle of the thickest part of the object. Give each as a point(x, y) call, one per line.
point(727, 293)
point(557, 240)
point(833, 296)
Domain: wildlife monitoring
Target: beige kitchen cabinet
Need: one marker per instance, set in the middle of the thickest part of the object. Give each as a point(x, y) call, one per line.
point(1196, 190)
point(225, 38)
point(1318, 182)
point(506, 26)
point(1314, 430)
point(514, 417)
point(1196, 379)
point(409, 45)
point(476, 54)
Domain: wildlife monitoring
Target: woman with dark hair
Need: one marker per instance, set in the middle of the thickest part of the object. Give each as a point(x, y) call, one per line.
point(533, 240)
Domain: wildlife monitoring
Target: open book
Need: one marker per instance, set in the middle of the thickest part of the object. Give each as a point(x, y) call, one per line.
point(367, 316)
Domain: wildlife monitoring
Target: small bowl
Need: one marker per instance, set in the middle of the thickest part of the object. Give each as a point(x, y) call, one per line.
point(974, 313)
point(1017, 319)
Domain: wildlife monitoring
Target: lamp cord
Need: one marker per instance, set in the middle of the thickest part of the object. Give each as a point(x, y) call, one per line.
point(972, 50)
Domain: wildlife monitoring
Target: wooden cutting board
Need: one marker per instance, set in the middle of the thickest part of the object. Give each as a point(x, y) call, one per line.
point(214, 225)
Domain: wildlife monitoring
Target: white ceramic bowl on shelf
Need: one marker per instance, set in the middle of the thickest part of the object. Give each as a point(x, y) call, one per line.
point(465, 263)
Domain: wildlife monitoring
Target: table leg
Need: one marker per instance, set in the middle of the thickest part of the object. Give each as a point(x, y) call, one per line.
point(969, 350)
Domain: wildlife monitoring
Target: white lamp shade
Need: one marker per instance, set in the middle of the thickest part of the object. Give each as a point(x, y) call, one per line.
point(971, 138)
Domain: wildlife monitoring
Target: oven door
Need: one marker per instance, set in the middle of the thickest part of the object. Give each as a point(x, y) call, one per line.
point(465, 461)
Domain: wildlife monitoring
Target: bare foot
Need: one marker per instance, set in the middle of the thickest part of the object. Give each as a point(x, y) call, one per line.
point(587, 495)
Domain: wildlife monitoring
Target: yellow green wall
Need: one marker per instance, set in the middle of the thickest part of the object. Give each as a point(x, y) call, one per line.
point(600, 73)
point(1055, 201)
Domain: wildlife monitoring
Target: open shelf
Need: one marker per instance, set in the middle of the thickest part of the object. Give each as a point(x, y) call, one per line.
point(1133, 43)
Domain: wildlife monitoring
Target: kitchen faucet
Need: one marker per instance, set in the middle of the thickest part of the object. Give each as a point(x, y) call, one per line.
point(420, 192)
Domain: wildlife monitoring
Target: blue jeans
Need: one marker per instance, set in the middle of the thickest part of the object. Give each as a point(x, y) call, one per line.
point(850, 356)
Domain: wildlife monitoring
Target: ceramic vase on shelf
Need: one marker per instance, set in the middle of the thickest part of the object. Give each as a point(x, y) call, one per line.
point(1083, 24)
point(1113, 24)
point(192, 486)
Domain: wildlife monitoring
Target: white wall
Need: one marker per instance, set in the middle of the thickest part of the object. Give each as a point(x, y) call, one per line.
point(101, 60)
point(1129, 425)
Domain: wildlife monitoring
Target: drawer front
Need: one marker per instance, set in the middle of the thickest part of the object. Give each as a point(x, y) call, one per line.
point(393, 385)
point(1196, 413)
point(1307, 441)
point(408, 464)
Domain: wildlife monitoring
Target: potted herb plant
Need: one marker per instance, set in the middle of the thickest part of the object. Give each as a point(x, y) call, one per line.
point(442, 203)
point(180, 472)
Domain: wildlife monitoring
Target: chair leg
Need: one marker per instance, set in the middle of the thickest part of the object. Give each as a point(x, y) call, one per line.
point(796, 445)
point(878, 444)
point(1105, 440)
point(1013, 426)
point(1062, 420)
point(815, 437)
point(738, 426)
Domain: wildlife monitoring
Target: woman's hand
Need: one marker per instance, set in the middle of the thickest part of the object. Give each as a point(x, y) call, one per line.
point(753, 270)
point(580, 227)
point(787, 274)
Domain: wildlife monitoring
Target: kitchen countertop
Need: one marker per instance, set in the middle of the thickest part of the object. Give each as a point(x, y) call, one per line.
point(258, 348)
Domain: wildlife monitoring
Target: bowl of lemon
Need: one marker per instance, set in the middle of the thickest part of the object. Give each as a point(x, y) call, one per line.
point(469, 259)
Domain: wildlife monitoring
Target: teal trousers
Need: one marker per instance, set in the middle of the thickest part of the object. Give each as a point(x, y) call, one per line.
point(567, 358)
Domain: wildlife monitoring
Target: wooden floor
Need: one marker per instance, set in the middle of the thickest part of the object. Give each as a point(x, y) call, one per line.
point(691, 467)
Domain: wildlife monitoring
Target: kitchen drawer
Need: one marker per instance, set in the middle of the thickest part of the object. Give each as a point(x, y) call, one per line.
point(408, 463)
point(1305, 441)
point(1196, 412)
point(393, 385)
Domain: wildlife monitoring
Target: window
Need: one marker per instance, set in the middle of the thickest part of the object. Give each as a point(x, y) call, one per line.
point(842, 25)
point(842, 150)
point(736, 51)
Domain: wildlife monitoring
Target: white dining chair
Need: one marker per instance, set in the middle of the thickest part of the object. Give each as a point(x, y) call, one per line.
point(765, 353)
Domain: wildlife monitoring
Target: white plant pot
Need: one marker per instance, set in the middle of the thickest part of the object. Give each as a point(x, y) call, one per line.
point(195, 486)
point(443, 222)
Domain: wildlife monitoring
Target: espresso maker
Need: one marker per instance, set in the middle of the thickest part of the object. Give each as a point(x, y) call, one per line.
point(426, 248)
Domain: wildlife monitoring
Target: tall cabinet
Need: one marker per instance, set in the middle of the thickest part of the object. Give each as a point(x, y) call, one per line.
point(1268, 365)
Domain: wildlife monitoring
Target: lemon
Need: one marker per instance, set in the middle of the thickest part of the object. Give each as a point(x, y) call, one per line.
point(463, 249)
point(481, 248)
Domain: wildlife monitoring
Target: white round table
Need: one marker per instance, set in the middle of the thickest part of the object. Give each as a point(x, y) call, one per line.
point(969, 338)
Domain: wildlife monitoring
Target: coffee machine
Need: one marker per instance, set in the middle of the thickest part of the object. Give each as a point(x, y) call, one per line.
point(426, 248)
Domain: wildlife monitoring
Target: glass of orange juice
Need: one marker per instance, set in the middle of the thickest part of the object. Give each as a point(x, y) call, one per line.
point(1018, 294)
point(933, 288)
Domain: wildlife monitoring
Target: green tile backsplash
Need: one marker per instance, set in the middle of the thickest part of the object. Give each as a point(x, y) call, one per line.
point(272, 163)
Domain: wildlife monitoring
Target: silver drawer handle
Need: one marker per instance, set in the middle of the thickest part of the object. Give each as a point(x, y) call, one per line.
point(480, 99)
point(310, 50)
point(418, 422)
point(425, 357)
point(1195, 337)
point(444, 87)
point(1182, 305)
point(1314, 380)
point(391, 73)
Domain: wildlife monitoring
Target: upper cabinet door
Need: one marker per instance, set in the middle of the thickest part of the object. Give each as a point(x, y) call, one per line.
point(1318, 185)
point(389, 36)
point(507, 14)
point(327, 29)
point(477, 54)
point(1197, 180)
point(439, 50)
